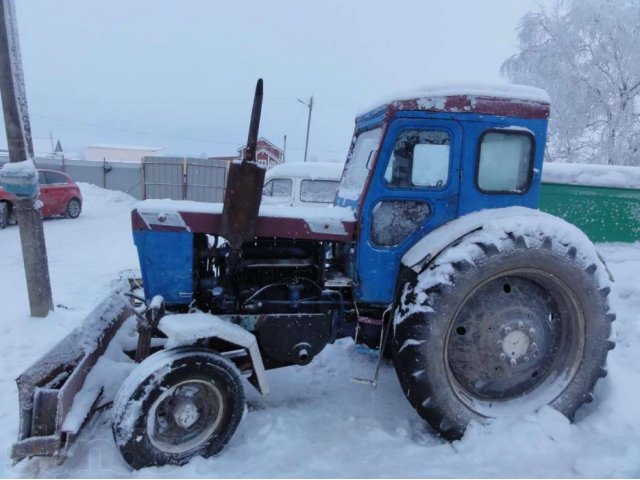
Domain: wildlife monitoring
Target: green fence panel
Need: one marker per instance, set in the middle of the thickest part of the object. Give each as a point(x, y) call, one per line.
point(605, 214)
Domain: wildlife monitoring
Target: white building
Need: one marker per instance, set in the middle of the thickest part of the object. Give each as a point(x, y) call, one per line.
point(120, 153)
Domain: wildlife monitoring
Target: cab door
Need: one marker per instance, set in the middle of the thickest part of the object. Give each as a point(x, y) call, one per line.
point(413, 190)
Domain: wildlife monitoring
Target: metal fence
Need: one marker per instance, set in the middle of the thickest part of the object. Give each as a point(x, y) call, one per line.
point(197, 179)
point(178, 178)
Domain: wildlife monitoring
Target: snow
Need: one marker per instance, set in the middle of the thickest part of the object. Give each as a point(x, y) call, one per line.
point(493, 223)
point(312, 170)
point(186, 329)
point(433, 96)
point(26, 168)
point(312, 215)
point(315, 422)
point(612, 176)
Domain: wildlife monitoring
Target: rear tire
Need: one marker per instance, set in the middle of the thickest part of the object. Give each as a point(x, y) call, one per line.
point(73, 209)
point(4, 215)
point(176, 404)
point(494, 328)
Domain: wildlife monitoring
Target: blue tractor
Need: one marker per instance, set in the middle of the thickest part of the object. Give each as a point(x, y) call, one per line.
point(434, 253)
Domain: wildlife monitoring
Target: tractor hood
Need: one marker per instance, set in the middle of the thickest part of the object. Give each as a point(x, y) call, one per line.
point(314, 223)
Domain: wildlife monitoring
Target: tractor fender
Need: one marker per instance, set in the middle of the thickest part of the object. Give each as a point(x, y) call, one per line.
point(188, 328)
point(429, 246)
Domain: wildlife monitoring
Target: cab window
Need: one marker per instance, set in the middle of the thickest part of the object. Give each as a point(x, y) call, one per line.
point(420, 159)
point(278, 187)
point(318, 191)
point(504, 162)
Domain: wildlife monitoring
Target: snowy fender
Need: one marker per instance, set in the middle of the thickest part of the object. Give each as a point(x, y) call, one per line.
point(508, 319)
point(176, 404)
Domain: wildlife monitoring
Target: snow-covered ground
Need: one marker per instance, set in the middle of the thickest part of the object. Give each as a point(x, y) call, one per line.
point(316, 422)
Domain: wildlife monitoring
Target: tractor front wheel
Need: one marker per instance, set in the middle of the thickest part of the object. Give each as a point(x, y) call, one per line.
point(177, 404)
point(495, 328)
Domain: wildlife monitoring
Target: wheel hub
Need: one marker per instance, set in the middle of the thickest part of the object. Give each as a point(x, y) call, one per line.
point(185, 414)
point(505, 339)
point(515, 344)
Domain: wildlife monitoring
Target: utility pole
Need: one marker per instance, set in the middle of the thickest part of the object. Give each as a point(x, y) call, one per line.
point(284, 149)
point(310, 107)
point(20, 145)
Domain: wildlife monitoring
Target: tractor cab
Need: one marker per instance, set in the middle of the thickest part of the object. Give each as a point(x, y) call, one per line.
point(424, 159)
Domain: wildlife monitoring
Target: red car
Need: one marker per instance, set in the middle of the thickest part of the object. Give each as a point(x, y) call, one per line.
point(58, 192)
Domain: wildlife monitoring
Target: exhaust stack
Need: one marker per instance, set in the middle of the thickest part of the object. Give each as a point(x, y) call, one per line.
point(244, 186)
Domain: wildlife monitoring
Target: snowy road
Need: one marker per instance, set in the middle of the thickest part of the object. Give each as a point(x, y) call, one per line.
point(316, 422)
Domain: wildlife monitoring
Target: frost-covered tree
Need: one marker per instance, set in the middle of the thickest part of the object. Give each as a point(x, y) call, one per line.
point(586, 54)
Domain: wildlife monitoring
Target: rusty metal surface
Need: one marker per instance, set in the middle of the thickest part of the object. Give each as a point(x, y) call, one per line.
point(47, 389)
point(476, 104)
point(242, 203)
point(244, 186)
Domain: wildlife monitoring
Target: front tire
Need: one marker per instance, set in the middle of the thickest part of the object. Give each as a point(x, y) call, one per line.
point(176, 404)
point(73, 209)
point(498, 326)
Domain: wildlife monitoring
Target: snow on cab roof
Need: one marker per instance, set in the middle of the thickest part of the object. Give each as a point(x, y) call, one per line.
point(460, 97)
point(313, 170)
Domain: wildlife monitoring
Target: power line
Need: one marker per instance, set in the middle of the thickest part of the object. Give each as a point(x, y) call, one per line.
point(138, 132)
point(165, 135)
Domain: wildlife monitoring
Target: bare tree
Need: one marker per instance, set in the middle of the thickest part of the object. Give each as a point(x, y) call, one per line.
point(586, 54)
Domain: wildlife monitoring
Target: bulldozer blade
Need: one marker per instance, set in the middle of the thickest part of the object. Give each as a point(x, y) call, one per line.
point(47, 389)
point(244, 186)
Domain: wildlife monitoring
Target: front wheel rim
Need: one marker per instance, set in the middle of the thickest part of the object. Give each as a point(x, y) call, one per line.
point(74, 208)
point(185, 416)
point(515, 343)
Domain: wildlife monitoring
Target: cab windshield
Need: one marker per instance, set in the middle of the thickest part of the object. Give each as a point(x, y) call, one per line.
point(356, 167)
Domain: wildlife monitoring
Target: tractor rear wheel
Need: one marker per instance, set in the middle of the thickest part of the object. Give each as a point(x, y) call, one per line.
point(176, 404)
point(495, 328)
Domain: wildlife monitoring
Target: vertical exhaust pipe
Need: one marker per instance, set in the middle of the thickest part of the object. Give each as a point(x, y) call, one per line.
point(244, 186)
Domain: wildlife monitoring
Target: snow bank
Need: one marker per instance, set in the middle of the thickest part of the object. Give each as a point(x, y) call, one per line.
point(613, 176)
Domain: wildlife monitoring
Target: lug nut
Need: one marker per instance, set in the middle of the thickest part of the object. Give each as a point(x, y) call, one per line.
point(513, 361)
point(532, 332)
point(520, 325)
point(503, 356)
point(506, 330)
point(526, 359)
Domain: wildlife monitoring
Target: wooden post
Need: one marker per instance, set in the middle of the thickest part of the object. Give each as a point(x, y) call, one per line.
point(18, 128)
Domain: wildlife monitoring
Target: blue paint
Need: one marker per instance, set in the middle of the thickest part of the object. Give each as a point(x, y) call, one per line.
point(22, 184)
point(377, 266)
point(166, 262)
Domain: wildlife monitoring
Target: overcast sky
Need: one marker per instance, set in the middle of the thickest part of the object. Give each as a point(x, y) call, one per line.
point(180, 74)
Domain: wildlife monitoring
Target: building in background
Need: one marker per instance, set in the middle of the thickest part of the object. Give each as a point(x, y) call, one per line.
point(267, 154)
point(120, 153)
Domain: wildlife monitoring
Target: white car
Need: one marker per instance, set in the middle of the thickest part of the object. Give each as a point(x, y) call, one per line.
point(309, 184)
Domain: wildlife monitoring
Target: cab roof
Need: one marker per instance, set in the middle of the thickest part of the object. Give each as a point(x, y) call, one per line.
point(491, 99)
